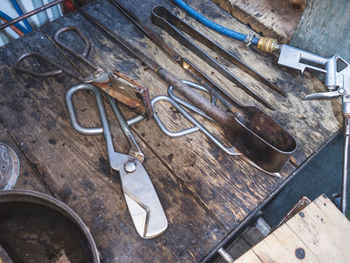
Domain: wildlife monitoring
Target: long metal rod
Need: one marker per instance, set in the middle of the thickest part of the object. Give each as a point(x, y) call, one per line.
point(120, 41)
point(167, 21)
point(31, 13)
point(223, 96)
point(345, 164)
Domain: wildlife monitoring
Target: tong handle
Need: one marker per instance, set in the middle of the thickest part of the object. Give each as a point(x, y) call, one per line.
point(87, 45)
point(72, 116)
point(59, 69)
point(135, 150)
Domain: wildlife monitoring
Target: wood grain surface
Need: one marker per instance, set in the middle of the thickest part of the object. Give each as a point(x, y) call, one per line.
point(272, 18)
point(320, 231)
point(204, 192)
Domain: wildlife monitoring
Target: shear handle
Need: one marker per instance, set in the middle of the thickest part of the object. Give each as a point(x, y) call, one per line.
point(81, 56)
point(72, 115)
point(59, 69)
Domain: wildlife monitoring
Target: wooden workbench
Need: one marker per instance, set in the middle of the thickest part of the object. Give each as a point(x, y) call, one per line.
point(205, 193)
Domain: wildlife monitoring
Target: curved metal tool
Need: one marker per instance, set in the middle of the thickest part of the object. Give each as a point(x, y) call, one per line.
point(176, 103)
point(97, 76)
point(261, 139)
point(170, 23)
point(144, 206)
point(9, 167)
point(58, 69)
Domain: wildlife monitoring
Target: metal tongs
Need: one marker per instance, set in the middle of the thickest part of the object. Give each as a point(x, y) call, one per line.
point(144, 206)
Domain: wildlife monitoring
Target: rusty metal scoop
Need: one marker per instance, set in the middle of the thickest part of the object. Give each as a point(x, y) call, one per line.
point(263, 143)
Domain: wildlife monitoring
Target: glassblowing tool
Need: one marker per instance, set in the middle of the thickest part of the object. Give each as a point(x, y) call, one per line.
point(245, 132)
point(184, 107)
point(144, 206)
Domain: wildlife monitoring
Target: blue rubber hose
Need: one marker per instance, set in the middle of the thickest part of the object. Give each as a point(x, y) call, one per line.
point(20, 12)
point(207, 22)
point(17, 25)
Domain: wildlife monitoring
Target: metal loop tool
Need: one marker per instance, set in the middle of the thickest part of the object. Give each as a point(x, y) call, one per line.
point(144, 206)
point(97, 76)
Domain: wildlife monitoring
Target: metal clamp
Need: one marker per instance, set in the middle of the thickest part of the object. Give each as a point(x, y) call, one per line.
point(249, 39)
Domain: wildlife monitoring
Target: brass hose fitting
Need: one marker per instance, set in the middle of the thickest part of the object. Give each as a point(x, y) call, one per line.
point(267, 44)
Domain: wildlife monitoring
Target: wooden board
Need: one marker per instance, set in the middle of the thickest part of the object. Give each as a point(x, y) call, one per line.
point(320, 231)
point(272, 18)
point(204, 192)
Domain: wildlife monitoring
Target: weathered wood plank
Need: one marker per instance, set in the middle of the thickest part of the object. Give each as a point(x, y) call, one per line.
point(291, 243)
point(327, 240)
point(271, 18)
point(319, 233)
point(249, 256)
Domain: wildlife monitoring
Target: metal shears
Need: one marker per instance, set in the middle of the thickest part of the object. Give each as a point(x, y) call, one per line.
point(142, 200)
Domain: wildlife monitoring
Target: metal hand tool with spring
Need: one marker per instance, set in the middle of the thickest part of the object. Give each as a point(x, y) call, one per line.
point(144, 206)
point(254, 134)
point(115, 84)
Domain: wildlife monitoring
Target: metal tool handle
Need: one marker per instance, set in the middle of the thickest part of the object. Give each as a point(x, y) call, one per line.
point(187, 104)
point(325, 95)
point(72, 116)
point(135, 149)
point(345, 175)
point(87, 45)
point(59, 69)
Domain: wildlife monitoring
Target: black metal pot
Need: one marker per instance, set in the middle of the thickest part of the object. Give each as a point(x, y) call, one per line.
point(35, 227)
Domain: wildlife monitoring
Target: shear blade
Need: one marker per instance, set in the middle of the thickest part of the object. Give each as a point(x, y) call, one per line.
point(143, 203)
